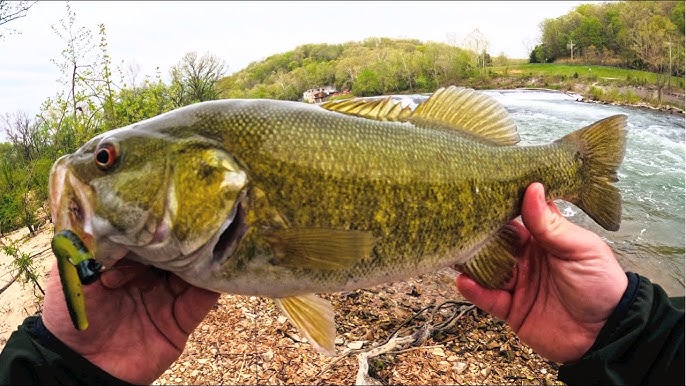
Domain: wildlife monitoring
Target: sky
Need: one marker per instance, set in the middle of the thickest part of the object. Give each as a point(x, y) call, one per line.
point(158, 34)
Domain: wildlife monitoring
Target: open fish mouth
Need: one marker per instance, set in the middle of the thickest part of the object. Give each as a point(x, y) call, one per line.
point(70, 206)
point(234, 229)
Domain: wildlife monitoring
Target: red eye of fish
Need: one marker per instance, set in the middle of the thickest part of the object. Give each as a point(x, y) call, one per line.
point(106, 156)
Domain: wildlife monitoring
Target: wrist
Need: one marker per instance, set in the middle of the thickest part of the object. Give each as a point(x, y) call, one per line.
point(62, 359)
point(618, 313)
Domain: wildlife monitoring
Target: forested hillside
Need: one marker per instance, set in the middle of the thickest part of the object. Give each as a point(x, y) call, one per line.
point(373, 67)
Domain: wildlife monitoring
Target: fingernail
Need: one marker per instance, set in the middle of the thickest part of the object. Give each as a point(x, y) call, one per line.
point(541, 194)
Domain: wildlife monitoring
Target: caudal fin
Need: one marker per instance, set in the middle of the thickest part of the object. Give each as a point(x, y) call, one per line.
point(601, 147)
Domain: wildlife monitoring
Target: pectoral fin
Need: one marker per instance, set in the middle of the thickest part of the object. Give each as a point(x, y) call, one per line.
point(315, 248)
point(313, 316)
point(492, 265)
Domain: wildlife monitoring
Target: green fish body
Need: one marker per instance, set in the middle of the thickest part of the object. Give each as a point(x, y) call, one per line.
point(284, 199)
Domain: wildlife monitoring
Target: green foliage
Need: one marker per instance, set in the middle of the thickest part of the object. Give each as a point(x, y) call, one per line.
point(194, 79)
point(596, 93)
point(633, 34)
point(539, 54)
point(90, 103)
point(371, 67)
point(24, 267)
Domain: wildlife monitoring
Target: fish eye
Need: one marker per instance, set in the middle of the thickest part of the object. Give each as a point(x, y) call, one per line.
point(106, 156)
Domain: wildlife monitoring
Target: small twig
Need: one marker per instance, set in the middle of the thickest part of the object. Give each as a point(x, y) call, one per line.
point(40, 253)
point(416, 348)
point(240, 372)
point(6, 286)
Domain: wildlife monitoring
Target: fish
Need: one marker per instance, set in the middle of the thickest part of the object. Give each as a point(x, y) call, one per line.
point(288, 200)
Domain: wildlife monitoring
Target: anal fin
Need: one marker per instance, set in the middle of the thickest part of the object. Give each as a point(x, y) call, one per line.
point(313, 316)
point(491, 266)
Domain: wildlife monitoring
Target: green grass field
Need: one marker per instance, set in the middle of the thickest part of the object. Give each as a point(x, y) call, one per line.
point(620, 75)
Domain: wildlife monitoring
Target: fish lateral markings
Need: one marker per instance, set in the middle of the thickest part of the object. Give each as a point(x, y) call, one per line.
point(285, 200)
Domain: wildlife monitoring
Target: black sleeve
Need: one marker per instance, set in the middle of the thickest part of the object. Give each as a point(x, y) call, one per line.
point(641, 343)
point(33, 356)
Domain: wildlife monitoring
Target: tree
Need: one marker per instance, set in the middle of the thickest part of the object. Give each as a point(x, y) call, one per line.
point(194, 79)
point(77, 107)
point(367, 83)
point(13, 10)
point(75, 57)
point(478, 44)
point(539, 54)
point(606, 33)
point(25, 135)
point(649, 44)
point(104, 86)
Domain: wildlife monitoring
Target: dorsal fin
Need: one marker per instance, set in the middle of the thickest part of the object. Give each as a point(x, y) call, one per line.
point(384, 109)
point(468, 110)
point(458, 108)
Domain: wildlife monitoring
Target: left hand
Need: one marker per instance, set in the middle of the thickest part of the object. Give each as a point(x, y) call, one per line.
point(140, 319)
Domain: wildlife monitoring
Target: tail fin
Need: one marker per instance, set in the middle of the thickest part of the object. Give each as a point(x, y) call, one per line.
point(601, 146)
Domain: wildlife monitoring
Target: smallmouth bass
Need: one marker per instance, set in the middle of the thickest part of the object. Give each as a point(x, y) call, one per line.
point(285, 200)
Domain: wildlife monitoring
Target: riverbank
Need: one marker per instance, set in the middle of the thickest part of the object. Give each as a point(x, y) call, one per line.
point(606, 92)
point(596, 84)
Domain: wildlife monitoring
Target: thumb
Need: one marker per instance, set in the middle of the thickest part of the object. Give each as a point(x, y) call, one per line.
point(549, 228)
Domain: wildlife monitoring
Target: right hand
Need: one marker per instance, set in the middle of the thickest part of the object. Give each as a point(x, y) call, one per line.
point(140, 319)
point(566, 283)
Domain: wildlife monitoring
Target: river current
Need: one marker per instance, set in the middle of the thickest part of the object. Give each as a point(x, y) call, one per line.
point(651, 238)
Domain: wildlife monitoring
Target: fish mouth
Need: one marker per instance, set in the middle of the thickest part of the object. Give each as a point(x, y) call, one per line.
point(70, 207)
point(234, 229)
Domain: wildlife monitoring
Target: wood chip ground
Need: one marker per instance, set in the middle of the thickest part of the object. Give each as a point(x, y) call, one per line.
point(246, 340)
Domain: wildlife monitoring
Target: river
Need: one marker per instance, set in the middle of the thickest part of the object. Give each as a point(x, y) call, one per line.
point(650, 240)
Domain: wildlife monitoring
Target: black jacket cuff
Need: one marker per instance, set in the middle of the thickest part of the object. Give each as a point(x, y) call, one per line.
point(33, 355)
point(642, 342)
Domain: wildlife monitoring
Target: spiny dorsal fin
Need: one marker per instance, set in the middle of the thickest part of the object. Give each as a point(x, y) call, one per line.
point(468, 110)
point(491, 266)
point(313, 316)
point(379, 109)
point(315, 248)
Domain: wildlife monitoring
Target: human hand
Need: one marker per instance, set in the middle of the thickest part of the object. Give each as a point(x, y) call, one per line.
point(566, 283)
point(140, 319)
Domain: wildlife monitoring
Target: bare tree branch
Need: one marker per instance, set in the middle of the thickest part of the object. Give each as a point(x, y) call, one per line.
point(12, 10)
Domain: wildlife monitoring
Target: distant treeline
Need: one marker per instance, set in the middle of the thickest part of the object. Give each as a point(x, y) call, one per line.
point(644, 35)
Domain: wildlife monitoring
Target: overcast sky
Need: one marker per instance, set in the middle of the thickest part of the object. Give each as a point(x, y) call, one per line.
point(158, 34)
